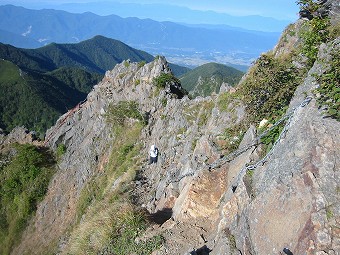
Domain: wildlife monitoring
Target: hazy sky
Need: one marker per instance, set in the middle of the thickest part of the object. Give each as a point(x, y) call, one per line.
point(279, 9)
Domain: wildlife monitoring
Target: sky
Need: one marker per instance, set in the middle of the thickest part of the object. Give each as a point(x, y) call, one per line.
point(278, 9)
point(282, 9)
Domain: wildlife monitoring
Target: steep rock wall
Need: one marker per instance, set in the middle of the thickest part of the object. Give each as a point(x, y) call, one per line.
point(292, 199)
point(87, 137)
point(185, 131)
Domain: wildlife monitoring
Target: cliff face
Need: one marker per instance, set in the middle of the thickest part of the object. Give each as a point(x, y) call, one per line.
point(208, 201)
point(184, 130)
point(295, 193)
point(87, 137)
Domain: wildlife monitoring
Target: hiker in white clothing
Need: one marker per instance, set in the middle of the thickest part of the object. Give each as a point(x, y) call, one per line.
point(153, 154)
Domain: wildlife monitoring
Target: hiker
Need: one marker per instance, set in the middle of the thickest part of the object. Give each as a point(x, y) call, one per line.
point(153, 154)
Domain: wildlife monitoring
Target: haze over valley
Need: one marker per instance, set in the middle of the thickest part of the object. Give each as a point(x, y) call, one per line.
point(185, 36)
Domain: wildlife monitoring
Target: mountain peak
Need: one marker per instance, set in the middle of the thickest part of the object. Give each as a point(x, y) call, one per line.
point(132, 81)
point(208, 78)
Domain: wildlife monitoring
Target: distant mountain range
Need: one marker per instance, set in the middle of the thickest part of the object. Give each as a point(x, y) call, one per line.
point(38, 85)
point(208, 78)
point(168, 12)
point(171, 11)
point(98, 54)
point(179, 43)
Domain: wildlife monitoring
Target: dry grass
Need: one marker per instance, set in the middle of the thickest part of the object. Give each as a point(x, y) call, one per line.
point(107, 221)
point(95, 231)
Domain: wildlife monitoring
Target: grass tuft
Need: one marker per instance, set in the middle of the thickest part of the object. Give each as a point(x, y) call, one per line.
point(23, 183)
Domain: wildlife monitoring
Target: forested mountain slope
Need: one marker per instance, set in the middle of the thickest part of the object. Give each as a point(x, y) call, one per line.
point(38, 85)
point(208, 78)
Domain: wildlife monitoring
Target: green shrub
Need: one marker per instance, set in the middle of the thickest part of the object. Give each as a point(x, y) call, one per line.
point(141, 64)
point(320, 30)
point(315, 32)
point(123, 151)
point(165, 78)
point(91, 192)
point(137, 82)
point(205, 113)
point(223, 101)
point(164, 102)
point(118, 113)
point(309, 5)
point(269, 87)
point(61, 149)
point(329, 213)
point(23, 183)
point(329, 89)
point(121, 75)
point(194, 143)
point(231, 239)
point(269, 139)
point(233, 137)
point(334, 29)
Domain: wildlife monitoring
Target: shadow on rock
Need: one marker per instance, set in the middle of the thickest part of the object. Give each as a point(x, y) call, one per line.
point(204, 250)
point(161, 216)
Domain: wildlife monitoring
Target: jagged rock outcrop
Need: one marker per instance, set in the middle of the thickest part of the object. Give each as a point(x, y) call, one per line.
point(87, 137)
point(184, 130)
point(322, 10)
point(296, 196)
point(19, 135)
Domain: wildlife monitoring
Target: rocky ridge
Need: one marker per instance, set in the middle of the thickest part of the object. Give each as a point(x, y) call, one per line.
point(215, 204)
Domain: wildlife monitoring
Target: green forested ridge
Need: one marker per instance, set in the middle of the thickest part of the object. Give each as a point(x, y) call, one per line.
point(212, 75)
point(98, 54)
point(76, 78)
point(38, 85)
point(24, 60)
point(35, 99)
point(178, 70)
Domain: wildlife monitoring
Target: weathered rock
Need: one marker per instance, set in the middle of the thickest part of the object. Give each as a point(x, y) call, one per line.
point(19, 135)
point(296, 203)
point(87, 137)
